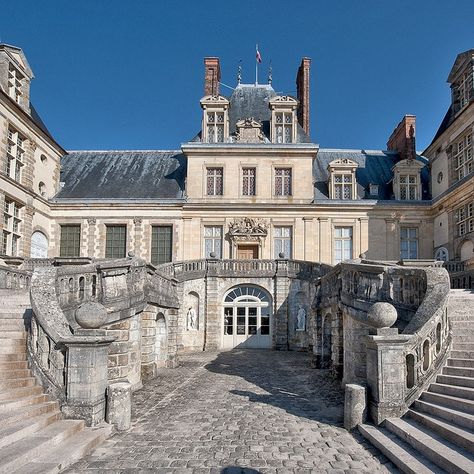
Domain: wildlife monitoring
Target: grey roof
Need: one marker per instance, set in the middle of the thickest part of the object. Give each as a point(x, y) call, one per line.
point(375, 167)
point(123, 175)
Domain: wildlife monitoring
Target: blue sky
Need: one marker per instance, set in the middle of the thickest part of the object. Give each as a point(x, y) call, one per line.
point(129, 74)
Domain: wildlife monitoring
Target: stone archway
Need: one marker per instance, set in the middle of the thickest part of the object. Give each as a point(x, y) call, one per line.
point(466, 250)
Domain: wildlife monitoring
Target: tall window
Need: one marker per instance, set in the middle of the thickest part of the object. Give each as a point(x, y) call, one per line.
point(70, 245)
point(462, 157)
point(115, 241)
point(215, 182)
point(465, 219)
point(284, 127)
point(213, 241)
point(408, 187)
point(343, 186)
point(248, 181)
point(215, 127)
point(282, 240)
point(463, 91)
point(161, 244)
point(15, 154)
point(408, 243)
point(15, 79)
point(342, 244)
point(283, 182)
point(11, 230)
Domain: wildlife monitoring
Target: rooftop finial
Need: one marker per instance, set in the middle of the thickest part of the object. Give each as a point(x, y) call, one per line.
point(239, 73)
point(270, 78)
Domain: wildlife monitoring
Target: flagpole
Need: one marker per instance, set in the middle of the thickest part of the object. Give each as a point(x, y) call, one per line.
point(256, 65)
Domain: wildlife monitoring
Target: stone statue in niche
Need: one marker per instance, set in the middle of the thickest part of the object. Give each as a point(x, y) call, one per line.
point(301, 319)
point(192, 319)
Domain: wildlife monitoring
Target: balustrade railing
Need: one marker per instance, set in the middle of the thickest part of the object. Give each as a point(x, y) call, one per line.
point(13, 279)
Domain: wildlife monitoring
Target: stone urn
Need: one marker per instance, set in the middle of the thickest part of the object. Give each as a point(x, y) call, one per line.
point(91, 315)
point(381, 315)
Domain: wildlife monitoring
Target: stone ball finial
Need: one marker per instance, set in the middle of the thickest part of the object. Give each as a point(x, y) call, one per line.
point(212, 255)
point(91, 315)
point(281, 255)
point(131, 254)
point(381, 315)
point(363, 256)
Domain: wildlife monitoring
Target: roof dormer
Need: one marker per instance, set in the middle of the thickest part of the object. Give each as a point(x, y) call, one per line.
point(461, 79)
point(215, 119)
point(15, 75)
point(283, 120)
point(342, 179)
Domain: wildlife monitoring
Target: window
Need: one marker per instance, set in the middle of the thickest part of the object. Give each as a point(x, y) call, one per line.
point(282, 181)
point(408, 187)
point(213, 241)
point(465, 219)
point(462, 157)
point(215, 127)
point(42, 188)
point(408, 243)
point(284, 127)
point(161, 244)
point(115, 241)
point(374, 189)
point(215, 182)
point(11, 229)
point(463, 90)
point(70, 245)
point(282, 241)
point(343, 186)
point(248, 181)
point(15, 154)
point(15, 82)
point(342, 244)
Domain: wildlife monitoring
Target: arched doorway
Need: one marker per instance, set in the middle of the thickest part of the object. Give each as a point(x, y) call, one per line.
point(467, 250)
point(247, 318)
point(39, 245)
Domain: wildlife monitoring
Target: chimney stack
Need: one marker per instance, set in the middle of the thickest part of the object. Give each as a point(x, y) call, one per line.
point(212, 76)
point(302, 92)
point(402, 138)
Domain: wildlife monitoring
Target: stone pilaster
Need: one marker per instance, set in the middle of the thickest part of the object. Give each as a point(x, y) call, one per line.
point(213, 314)
point(91, 237)
point(26, 230)
point(27, 171)
point(282, 287)
point(172, 326)
point(138, 233)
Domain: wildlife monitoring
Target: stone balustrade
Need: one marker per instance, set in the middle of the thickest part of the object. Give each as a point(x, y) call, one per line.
point(12, 278)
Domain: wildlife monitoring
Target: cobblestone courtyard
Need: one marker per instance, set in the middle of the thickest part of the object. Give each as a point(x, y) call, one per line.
point(240, 411)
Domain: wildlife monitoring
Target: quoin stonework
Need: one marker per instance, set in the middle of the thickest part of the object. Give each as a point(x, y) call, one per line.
point(116, 264)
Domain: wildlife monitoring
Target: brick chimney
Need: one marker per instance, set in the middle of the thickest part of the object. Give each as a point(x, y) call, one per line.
point(402, 138)
point(302, 92)
point(212, 76)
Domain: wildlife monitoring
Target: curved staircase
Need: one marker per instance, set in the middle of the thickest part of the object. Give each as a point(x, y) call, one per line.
point(34, 437)
point(437, 432)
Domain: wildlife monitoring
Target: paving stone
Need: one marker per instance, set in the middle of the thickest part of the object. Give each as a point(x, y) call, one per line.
point(241, 411)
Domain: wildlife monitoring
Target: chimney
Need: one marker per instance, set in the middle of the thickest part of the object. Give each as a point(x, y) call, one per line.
point(212, 76)
point(302, 92)
point(402, 138)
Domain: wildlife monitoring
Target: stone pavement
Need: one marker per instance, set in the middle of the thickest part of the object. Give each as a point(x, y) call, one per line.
point(243, 411)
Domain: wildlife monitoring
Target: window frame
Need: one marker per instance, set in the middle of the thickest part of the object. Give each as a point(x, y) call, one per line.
point(16, 153)
point(342, 238)
point(409, 239)
point(112, 251)
point(248, 192)
point(12, 221)
point(214, 179)
point(464, 219)
point(276, 169)
point(462, 155)
point(213, 238)
point(155, 233)
point(76, 252)
point(286, 241)
point(15, 83)
point(408, 186)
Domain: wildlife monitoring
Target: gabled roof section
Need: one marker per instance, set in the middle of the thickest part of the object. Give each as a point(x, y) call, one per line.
point(96, 175)
point(18, 57)
point(462, 60)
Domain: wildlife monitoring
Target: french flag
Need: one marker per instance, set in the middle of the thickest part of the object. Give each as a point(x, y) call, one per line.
point(258, 56)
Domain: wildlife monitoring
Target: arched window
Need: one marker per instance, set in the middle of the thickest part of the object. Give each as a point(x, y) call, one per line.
point(39, 245)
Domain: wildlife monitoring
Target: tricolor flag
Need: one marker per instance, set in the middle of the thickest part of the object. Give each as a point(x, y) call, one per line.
point(258, 55)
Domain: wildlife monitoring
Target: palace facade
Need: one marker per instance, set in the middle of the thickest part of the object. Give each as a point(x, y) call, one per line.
point(252, 184)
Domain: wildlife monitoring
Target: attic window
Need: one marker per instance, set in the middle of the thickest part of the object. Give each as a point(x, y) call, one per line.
point(342, 179)
point(406, 180)
point(215, 126)
point(463, 90)
point(15, 83)
point(283, 128)
point(374, 190)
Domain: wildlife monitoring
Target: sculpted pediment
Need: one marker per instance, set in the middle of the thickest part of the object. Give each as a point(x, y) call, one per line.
point(249, 130)
point(248, 226)
point(343, 163)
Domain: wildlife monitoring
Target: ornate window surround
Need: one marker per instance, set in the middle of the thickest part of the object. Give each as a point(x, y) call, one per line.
point(283, 118)
point(215, 106)
point(407, 173)
point(338, 169)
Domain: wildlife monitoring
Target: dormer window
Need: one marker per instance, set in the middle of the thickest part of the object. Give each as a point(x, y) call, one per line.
point(463, 90)
point(342, 179)
point(374, 190)
point(283, 128)
point(406, 180)
point(15, 84)
point(215, 123)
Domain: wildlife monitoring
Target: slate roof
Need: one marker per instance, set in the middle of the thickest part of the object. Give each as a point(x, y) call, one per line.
point(123, 175)
point(375, 167)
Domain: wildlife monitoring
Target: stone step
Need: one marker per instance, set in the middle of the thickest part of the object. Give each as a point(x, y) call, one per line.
point(12, 346)
point(15, 393)
point(461, 362)
point(12, 313)
point(12, 335)
point(13, 404)
point(16, 383)
point(12, 417)
point(406, 458)
point(452, 390)
point(439, 451)
point(13, 365)
point(14, 374)
point(461, 314)
point(25, 427)
point(458, 381)
point(458, 417)
point(464, 338)
point(29, 448)
point(449, 370)
point(11, 357)
point(463, 346)
point(456, 403)
point(72, 450)
point(20, 324)
point(459, 324)
point(453, 433)
point(461, 354)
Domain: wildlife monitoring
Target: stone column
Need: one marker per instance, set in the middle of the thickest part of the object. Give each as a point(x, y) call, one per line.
point(86, 385)
point(213, 314)
point(281, 313)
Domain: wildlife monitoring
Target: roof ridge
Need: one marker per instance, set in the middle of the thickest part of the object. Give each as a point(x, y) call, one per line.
point(358, 150)
point(123, 151)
